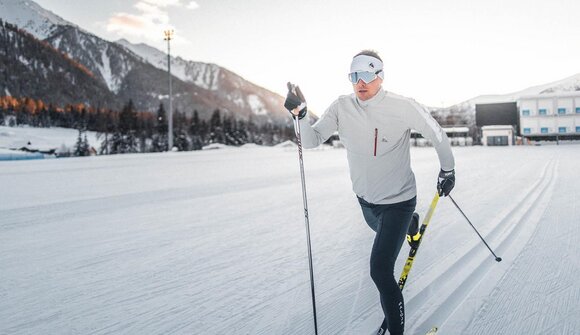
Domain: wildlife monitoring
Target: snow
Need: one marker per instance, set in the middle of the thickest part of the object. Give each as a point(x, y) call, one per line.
point(213, 242)
point(256, 105)
point(215, 146)
point(561, 87)
point(201, 74)
point(43, 138)
point(286, 144)
point(30, 17)
point(112, 80)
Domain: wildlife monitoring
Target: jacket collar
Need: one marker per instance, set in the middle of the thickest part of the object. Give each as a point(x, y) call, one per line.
point(372, 101)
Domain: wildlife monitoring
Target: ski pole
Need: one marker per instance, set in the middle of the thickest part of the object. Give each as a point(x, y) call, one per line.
point(305, 202)
point(497, 259)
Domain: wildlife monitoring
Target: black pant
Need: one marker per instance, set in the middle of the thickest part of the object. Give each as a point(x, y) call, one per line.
point(390, 222)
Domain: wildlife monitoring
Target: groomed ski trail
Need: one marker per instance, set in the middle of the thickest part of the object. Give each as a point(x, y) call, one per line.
point(541, 289)
point(472, 267)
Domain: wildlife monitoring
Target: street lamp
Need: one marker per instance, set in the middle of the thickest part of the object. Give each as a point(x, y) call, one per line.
point(168, 37)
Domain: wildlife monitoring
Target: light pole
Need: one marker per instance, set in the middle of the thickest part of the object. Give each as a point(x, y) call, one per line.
point(168, 37)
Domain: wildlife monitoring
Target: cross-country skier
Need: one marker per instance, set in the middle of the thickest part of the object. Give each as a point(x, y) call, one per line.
point(375, 126)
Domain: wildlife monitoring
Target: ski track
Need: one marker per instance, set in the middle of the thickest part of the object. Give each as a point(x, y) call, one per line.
point(549, 304)
point(149, 252)
point(439, 295)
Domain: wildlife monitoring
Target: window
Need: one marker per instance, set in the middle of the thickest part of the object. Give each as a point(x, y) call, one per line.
point(561, 110)
point(527, 130)
point(543, 111)
point(577, 110)
point(561, 130)
point(526, 112)
point(497, 140)
point(544, 130)
point(577, 129)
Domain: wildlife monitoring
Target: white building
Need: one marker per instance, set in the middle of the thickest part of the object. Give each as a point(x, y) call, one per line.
point(549, 116)
point(458, 136)
point(497, 135)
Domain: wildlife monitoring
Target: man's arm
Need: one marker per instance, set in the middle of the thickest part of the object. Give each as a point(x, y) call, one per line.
point(430, 129)
point(312, 136)
point(424, 123)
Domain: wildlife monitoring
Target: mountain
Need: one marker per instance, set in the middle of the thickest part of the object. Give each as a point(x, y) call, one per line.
point(464, 113)
point(31, 68)
point(31, 17)
point(234, 91)
point(125, 71)
point(568, 84)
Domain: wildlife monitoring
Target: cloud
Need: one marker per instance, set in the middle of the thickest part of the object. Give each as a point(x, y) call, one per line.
point(164, 3)
point(152, 13)
point(150, 21)
point(124, 21)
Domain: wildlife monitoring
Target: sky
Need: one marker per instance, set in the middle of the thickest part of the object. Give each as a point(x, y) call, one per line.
point(438, 52)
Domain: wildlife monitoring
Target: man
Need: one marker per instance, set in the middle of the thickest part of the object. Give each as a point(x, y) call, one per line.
point(375, 127)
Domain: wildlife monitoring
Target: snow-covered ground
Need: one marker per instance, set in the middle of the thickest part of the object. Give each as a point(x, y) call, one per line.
point(61, 139)
point(213, 242)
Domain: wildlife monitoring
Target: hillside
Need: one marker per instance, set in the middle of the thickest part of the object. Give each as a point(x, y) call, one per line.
point(121, 72)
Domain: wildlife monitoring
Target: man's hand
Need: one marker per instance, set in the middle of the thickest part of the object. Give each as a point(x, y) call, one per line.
point(295, 102)
point(445, 182)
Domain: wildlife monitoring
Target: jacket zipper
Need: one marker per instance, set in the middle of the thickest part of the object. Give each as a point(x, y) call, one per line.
point(376, 135)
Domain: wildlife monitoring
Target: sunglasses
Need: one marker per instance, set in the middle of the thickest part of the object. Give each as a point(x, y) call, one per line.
point(365, 76)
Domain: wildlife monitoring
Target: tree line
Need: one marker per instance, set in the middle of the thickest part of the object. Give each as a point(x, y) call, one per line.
point(130, 131)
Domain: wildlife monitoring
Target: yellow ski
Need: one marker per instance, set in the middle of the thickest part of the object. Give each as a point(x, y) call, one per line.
point(415, 242)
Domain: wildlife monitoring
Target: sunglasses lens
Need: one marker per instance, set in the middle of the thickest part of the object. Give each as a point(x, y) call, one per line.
point(367, 77)
point(353, 77)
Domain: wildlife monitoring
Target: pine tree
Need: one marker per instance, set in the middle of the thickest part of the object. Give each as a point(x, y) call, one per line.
point(216, 130)
point(106, 125)
point(181, 137)
point(125, 140)
point(86, 147)
point(195, 132)
point(82, 145)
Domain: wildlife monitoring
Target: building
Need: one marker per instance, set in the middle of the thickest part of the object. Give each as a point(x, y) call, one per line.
point(458, 136)
point(496, 114)
point(550, 116)
point(498, 135)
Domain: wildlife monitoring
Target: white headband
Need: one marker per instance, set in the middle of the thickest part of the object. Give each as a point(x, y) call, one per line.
point(366, 63)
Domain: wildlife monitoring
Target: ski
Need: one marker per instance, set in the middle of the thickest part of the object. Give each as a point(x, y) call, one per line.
point(415, 242)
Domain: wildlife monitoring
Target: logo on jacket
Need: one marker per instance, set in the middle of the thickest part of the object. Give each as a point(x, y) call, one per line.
point(371, 65)
point(384, 139)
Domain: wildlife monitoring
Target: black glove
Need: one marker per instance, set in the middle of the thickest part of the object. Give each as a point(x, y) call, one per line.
point(445, 182)
point(295, 99)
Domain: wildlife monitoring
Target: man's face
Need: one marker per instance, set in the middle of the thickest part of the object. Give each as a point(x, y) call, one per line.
point(366, 91)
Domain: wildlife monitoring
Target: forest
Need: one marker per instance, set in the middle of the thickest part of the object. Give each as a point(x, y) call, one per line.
point(132, 131)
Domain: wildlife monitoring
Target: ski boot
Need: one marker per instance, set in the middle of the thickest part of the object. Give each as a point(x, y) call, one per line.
point(413, 234)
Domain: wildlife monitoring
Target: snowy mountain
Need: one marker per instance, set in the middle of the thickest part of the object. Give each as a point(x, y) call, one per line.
point(136, 72)
point(225, 84)
point(568, 84)
point(31, 68)
point(31, 17)
point(201, 74)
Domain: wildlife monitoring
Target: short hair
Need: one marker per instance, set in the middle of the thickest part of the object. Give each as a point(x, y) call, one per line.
point(369, 52)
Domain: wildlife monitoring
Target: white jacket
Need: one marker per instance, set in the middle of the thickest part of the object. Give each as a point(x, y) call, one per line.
point(376, 136)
